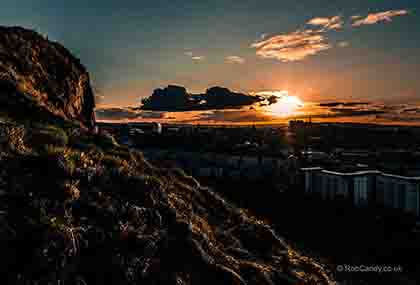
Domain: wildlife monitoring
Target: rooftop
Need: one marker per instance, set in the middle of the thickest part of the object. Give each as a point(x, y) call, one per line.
point(359, 173)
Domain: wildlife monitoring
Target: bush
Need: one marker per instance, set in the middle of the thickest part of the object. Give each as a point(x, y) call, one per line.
point(112, 161)
point(52, 150)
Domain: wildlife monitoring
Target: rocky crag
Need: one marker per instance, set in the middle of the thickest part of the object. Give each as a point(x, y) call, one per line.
point(40, 77)
point(77, 208)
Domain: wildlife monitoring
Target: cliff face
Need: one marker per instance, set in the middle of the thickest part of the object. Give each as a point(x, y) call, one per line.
point(39, 75)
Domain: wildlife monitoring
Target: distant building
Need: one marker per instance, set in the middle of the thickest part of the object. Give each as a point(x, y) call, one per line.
point(135, 131)
point(157, 128)
point(145, 128)
point(311, 155)
point(173, 129)
point(398, 192)
point(364, 188)
point(295, 124)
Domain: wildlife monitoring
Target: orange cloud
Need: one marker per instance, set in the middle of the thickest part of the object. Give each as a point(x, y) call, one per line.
point(333, 23)
point(193, 56)
point(343, 44)
point(197, 58)
point(378, 17)
point(293, 46)
point(233, 59)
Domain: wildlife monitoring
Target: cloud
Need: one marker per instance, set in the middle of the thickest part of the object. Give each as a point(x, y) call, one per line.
point(384, 113)
point(176, 98)
point(198, 58)
point(378, 17)
point(334, 111)
point(374, 113)
point(269, 93)
point(119, 113)
point(333, 23)
point(298, 45)
point(347, 109)
point(193, 56)
point(293, 46)
point(263, 36)
point(411, 110)
point(351, 112)
point(399, 119)
point(343, 104)
point(233, 59)
point(343, 44)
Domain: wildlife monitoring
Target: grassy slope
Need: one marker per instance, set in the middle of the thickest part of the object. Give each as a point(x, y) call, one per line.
point(84, 210)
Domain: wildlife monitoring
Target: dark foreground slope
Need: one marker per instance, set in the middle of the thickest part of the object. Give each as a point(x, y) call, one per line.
point(77, 208)
point(89, 215)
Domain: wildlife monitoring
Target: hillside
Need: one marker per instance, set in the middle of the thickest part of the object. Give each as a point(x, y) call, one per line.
point(77, 208)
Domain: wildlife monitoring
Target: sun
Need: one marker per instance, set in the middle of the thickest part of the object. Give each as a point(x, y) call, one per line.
point(286, 105)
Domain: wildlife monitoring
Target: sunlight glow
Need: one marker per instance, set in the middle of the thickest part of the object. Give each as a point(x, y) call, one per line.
point(286, 104)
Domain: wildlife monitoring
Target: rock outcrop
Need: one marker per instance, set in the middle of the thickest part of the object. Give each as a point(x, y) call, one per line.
point(38, 76)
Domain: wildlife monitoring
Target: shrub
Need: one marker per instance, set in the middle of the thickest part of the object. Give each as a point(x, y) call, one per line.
point(73, 159)
point(112, 161)
point(121, 153)
point(53, 150)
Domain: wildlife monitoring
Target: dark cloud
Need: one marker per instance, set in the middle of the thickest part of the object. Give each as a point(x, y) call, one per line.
point(350, 112)
point(399, 119)
point(394, 108)
point(343, 104)
point(127, 113)
point(380, 113)
point(411, 110)
point(176, 98)
point(336, 111)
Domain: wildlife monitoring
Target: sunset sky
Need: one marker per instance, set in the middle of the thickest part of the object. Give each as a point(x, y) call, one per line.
point(319, 51)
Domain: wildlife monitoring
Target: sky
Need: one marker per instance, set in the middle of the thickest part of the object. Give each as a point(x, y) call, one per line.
point(319, 51)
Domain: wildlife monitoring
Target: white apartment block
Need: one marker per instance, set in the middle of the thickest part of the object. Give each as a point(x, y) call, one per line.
point(365, 188)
